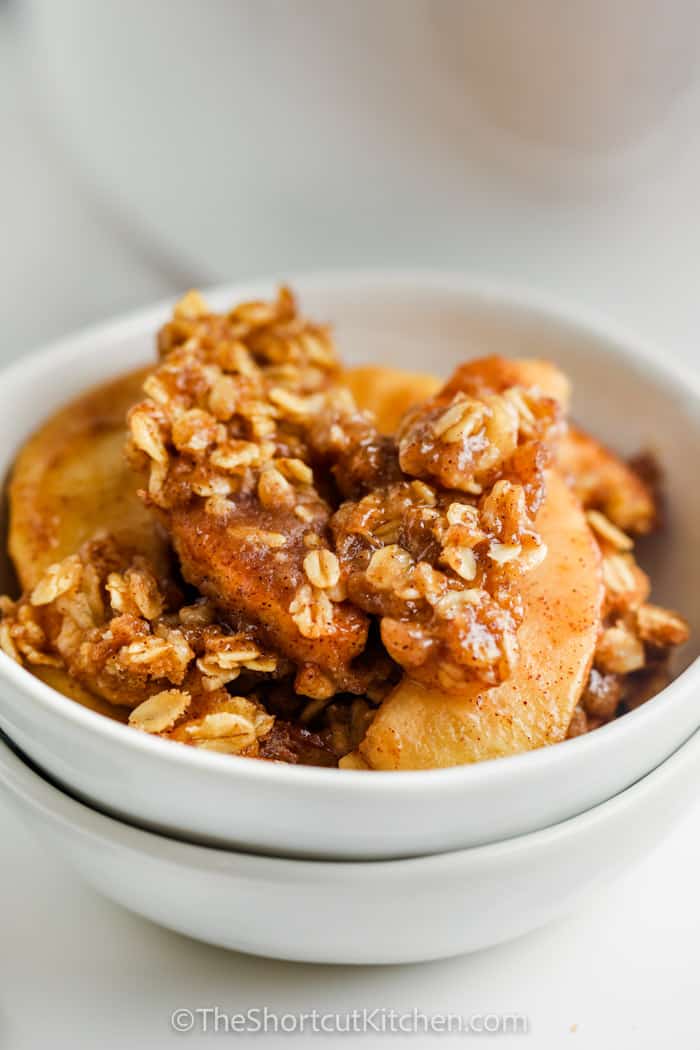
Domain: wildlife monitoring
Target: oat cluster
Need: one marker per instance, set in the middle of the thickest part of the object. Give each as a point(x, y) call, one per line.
point(631, 658)
point(132, 639)
point(246, 422)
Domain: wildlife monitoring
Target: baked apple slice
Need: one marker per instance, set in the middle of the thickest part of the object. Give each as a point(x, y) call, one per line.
point(421, 728)
point(71, 480)
point(388, 393)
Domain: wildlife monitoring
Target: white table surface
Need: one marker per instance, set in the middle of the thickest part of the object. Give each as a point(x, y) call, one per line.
point(76, 971)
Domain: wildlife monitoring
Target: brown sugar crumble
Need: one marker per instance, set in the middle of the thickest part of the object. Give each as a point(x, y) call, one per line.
point(315, 561)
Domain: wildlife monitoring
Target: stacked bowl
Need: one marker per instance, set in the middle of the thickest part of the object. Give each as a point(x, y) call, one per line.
point(359, 866)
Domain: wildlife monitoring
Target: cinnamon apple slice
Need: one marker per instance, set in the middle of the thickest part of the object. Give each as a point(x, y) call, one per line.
point(71, 480)
point(421, 728)
point(389, 392)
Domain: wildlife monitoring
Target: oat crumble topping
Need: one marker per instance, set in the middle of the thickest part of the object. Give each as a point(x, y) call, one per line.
point(316, 561)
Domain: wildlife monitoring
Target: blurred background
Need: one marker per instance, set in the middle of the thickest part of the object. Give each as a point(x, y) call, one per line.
point(147, 147)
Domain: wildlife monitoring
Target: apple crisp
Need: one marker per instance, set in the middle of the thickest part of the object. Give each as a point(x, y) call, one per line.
point(311, 562)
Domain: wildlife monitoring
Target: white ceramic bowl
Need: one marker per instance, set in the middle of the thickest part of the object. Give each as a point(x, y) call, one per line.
point(626, 394)
point(369, 912)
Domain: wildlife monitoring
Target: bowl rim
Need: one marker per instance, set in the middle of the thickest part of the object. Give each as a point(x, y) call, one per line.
point(553, 311)
point(28, 784)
